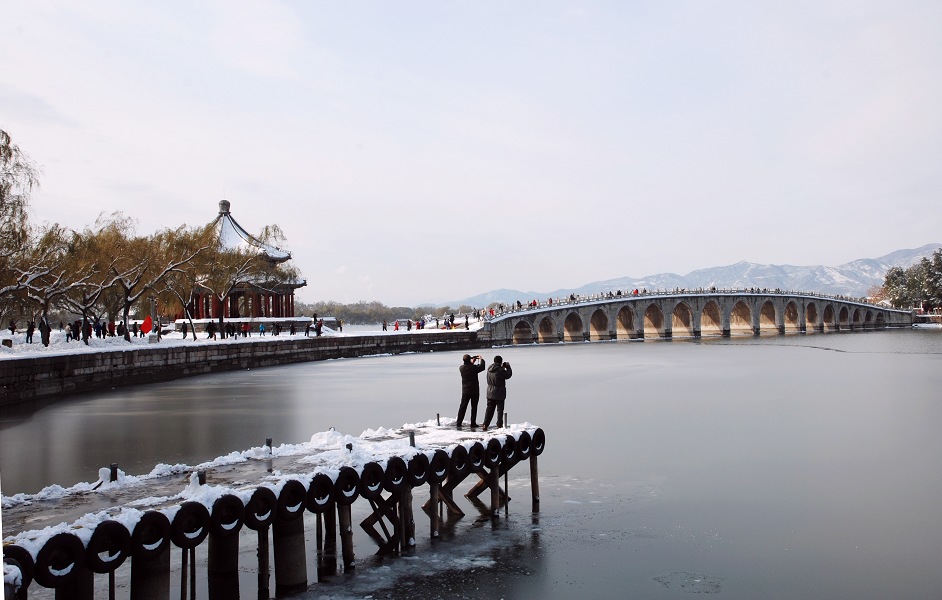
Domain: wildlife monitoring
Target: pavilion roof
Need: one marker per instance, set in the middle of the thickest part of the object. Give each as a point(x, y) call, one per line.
point(233, 236)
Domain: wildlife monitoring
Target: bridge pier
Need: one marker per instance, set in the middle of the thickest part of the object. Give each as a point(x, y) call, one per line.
point(696, 333)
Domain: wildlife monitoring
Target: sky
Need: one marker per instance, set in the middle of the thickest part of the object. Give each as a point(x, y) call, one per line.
point(422, 152)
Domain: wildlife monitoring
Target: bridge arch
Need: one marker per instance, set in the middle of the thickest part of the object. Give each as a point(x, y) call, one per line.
point(791, 321)
point(740, 319)
point(767, 317)
point(653, 321)
point(830, 320)
point(625, 322)
point(843, 318)
point(811, 316)
point(598, 326)
point(523, 333)
point(546, 331)
point(681, 320)
point(572, 328)
point(711, 319)
point(868, 320)
point(858, 319)
point(880, 321)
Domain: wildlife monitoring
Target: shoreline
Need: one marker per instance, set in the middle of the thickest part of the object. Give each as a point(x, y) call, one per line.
point(61, 370)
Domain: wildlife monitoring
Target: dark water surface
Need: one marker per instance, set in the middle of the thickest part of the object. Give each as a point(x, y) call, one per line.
point(805, 466)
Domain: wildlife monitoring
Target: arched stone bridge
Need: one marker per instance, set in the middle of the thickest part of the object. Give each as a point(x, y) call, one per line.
point(687, 314)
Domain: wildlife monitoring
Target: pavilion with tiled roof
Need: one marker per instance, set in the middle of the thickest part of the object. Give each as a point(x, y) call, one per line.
point(247, 300)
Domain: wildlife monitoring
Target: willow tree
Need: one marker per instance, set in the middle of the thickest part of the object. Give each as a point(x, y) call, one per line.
point(181, 284)
point(18, 177)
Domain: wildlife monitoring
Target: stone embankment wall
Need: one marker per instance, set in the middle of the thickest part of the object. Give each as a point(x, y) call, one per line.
point(36, 378)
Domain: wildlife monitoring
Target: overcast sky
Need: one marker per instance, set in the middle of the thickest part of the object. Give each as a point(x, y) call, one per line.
point(425, 152)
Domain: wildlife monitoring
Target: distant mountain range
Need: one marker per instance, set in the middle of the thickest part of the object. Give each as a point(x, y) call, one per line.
point(850, 279)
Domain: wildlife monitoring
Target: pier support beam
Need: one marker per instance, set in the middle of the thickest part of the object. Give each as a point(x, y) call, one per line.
point(290, 559)
point(223, 566)
point(345, 517)
point(535, 482)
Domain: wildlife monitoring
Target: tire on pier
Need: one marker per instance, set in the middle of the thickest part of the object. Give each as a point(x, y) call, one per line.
point(371, 481)
point(476, 456)
point(108, 547)
point(151, 535)
point(59, 560)
point(320, 494)
point(493, 453)
point(20, 558)
point(291, 500)
point(190, 525)
point(228, 516)
point(538, 443)
point(524, 445)
point(438, 466)
point(459, 464)
point(346, 487)
point(395, 477)
point(260, 509)
point(509, 451)
point(417, 470)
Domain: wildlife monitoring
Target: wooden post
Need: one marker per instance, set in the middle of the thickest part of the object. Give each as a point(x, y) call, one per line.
point(263, 566)
point(150, 576)
point(82, 588)
point(290, 559)
point(345, 517)
point(493, 477)
point(535, 482)
point(406, 521)
point(434, 501)
point(223, 566)
point(330, 541)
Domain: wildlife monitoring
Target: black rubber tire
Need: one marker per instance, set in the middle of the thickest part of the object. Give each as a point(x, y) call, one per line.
point(493, 453)
point(292, 500)
point(417, 471)
point(190, 525)
point(459, 464)
point(261, 508)
point(395, 477)
point(438, 466)
point(539, 442)
point(476, 456)
point(108, 548)
point(151, 535)
point(59, 560)
point(23, 560)
point(371, 481)
point(346, 486)
point(228, 516)
point(510, 450)
point(321, 493)
point(524, 445)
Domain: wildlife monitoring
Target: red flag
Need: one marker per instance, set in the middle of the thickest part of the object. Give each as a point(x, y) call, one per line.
point(147, 325)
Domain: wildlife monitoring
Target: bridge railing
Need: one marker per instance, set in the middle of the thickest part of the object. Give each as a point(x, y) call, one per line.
point(576, 299)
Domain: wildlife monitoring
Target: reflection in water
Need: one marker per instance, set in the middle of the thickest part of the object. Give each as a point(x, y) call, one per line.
point(781, 467)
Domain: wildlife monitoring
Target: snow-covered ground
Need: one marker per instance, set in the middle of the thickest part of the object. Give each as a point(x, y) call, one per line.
point(59, 346)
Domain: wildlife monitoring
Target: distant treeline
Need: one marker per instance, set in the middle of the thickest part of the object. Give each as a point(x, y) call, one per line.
point(368, 313)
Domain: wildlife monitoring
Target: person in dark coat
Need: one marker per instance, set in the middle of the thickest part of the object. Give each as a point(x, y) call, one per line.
point(470, 389)
point(497, 374)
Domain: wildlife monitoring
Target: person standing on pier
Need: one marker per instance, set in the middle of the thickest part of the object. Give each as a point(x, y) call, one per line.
point(470, 388)
point(497, 375)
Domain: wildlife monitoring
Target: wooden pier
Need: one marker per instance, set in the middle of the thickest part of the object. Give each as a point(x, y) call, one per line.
point(65, 542)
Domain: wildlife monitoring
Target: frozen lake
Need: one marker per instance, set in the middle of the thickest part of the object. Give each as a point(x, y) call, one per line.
point(804, 466)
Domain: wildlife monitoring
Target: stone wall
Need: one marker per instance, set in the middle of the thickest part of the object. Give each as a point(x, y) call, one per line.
point(36, 378)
